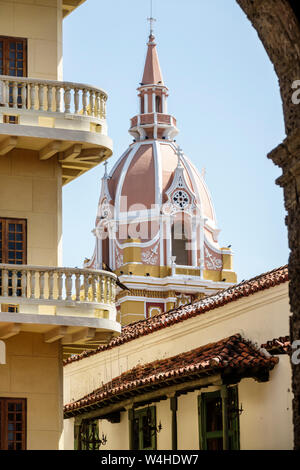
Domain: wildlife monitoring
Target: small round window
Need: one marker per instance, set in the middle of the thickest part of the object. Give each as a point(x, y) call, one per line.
point(181, 199)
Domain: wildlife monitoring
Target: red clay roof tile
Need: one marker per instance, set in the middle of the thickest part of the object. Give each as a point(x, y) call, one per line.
point(211, 359)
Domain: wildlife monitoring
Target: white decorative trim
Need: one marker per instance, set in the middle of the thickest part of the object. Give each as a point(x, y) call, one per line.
point(168, 283)
point(129, 159)
point(217, 250)
point(151, 256)
point(158, 173)
point(212, 262)
point(139, 244)
point(2, 353)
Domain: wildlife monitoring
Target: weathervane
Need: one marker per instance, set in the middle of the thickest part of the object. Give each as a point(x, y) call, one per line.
point(151, 19)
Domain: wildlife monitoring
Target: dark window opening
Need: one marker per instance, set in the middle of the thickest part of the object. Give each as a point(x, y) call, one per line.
point(144, 429)
point(13, 62)
point(211, 421)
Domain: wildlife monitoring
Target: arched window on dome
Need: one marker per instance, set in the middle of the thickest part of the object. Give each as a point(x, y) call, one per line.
point(179, 242)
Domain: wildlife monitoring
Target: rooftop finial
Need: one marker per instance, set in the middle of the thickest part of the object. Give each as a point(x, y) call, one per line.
point(151, 19)
point(180, 156)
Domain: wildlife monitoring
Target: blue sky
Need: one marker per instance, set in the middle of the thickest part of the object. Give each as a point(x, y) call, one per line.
point(225, 96)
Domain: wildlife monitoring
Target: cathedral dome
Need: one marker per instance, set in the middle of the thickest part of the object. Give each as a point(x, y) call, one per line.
point(159, 160)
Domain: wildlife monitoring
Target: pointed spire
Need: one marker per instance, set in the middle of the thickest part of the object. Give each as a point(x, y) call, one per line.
point(152, 72)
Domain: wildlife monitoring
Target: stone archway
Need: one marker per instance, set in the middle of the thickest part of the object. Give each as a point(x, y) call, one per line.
point(277, 23)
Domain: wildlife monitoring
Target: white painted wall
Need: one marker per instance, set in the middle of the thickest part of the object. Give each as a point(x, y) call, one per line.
point(187, 422)
point(266, 422)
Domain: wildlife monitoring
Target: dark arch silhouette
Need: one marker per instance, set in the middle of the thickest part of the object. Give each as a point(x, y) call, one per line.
point(277, 23)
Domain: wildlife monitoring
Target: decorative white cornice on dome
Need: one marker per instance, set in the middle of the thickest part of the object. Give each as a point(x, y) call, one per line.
point(181, 197)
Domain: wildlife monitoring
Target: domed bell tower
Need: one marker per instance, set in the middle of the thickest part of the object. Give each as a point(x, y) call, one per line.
point(156, 226)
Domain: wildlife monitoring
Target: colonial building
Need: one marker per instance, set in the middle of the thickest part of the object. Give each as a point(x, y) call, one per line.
point(156, 226)
point(202, 362)
point(214, 374)
point(51, 132)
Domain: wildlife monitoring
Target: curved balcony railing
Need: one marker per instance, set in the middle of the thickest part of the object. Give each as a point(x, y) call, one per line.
point(61, 287)
point(52, 96)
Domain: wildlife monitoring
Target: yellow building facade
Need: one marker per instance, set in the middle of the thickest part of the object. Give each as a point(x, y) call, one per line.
point(51, 132)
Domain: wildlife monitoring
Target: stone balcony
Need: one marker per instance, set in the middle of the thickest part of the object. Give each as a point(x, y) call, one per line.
point(55, 118)
point(76, 306)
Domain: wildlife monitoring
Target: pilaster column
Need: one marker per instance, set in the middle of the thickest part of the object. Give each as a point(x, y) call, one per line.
point(224, 396)
point(174, 408)
point(164, 104)
point(287, 157)
point(201, 246)
point(146, 103)
point(168, 223)
point(130, 410)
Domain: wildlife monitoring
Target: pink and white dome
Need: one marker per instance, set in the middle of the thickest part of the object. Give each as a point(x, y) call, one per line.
point(154, 186)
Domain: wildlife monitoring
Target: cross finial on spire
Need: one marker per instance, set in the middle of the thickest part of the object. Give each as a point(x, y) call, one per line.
point(151, 20)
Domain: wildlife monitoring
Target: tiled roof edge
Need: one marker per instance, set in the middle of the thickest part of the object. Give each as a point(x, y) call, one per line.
point(135, 330)
point(249, 356)
point(281, 345)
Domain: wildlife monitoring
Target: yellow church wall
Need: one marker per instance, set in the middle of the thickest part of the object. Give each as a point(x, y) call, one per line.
point(33, 370)
point(115, 440)
point(187, 271)
point(229, 276)
point(132, 311)
point(227, 260)
point(212, 275)
point(132, 253)
point(139, 270)
point(40, 22)
point(31, 189)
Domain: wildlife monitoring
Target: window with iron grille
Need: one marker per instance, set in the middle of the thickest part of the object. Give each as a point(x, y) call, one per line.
point(87, 435)
point(144, 429)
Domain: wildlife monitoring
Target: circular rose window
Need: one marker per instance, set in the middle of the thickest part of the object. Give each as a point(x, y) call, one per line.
point(181, 199)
